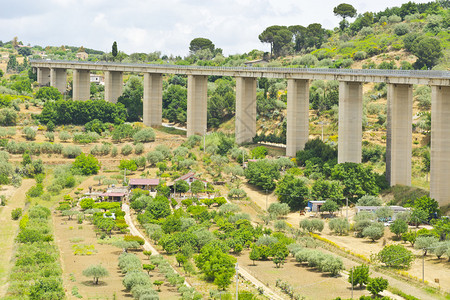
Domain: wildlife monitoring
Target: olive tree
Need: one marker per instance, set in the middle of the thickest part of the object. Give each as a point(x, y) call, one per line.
point(278, 209)
point(339, 226)
point(374, 231)
point(95, 271)
point(425, 243)
point(440, 248)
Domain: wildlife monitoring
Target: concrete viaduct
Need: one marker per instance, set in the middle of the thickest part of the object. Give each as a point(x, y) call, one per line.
point(399, 110)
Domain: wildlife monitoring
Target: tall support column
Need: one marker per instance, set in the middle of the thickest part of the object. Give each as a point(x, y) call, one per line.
point(399, 134)
point(350, 122)
point(113, 85)
point(81, 85)
point(245, 109)
point(58, 79)
point(197, 104)
point(43, 76)
point(297, 115)
point(440, 144)
point(152, 113)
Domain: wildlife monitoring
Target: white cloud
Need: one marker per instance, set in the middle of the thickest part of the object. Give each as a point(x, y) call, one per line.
point(167, 26)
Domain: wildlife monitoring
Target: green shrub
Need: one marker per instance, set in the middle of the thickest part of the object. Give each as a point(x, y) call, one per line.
point(87, 203)
point(86, 138)
point(50, 126)
point(401, 29)
point(369, 200)
point(8, 117)
point(71, 151)
point(30, 133)
point(50, 136)
point(48, 93)
point(139, 148)
point(339, 226)
point(114, 151)
point(64, 136)
point(96, 126)
point(144, 135)
point(365, 31)
point(16, 213)
point(36, 191)
point(126, 149)
point(396, 256)
point(360, 55)
point(394, 19)
point(87, 165)
point(377, 285)
point(308, 60)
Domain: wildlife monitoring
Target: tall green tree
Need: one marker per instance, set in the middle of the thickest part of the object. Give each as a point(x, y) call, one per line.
point(262, 174)
point(12, 63)
point(299, 34)
point(293, 191)
point(316, 35)
point(344, 10)
point(326, 189)
point(132, 98)
point(358, 180)
point(277, 36)
point(428, 52)
point(175, 103)
point(217, 265)
point(428, 205)
point(48, 93)
point(198, 44)
point(114, 50)
point(221, 103)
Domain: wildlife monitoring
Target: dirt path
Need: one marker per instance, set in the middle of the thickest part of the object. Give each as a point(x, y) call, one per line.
point(8, 231)
point(135, 231)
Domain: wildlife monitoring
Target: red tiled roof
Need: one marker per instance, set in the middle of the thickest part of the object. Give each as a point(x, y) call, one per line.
point(112, 194)
point(186, 176)
point(143, 181)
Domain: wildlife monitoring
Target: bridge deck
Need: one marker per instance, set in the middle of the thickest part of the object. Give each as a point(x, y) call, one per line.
point(441, 78)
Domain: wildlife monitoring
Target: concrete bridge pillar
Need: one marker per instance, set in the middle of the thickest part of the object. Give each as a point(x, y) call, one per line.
point(197, 104)
point(113, 85)
point(152, 112)
point(297, 115)
point(58, 79)
point(350, 122)
point(245, 109)
point(81, 89)
point(440, 144)
point(43, 76)
point(399, 134)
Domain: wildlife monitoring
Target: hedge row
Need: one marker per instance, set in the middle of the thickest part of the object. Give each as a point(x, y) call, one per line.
point(37, 272)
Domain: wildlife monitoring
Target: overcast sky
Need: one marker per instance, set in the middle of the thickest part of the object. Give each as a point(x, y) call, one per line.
point(167, 26)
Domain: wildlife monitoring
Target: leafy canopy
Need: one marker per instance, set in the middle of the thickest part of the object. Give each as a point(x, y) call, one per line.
point(344, 10)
